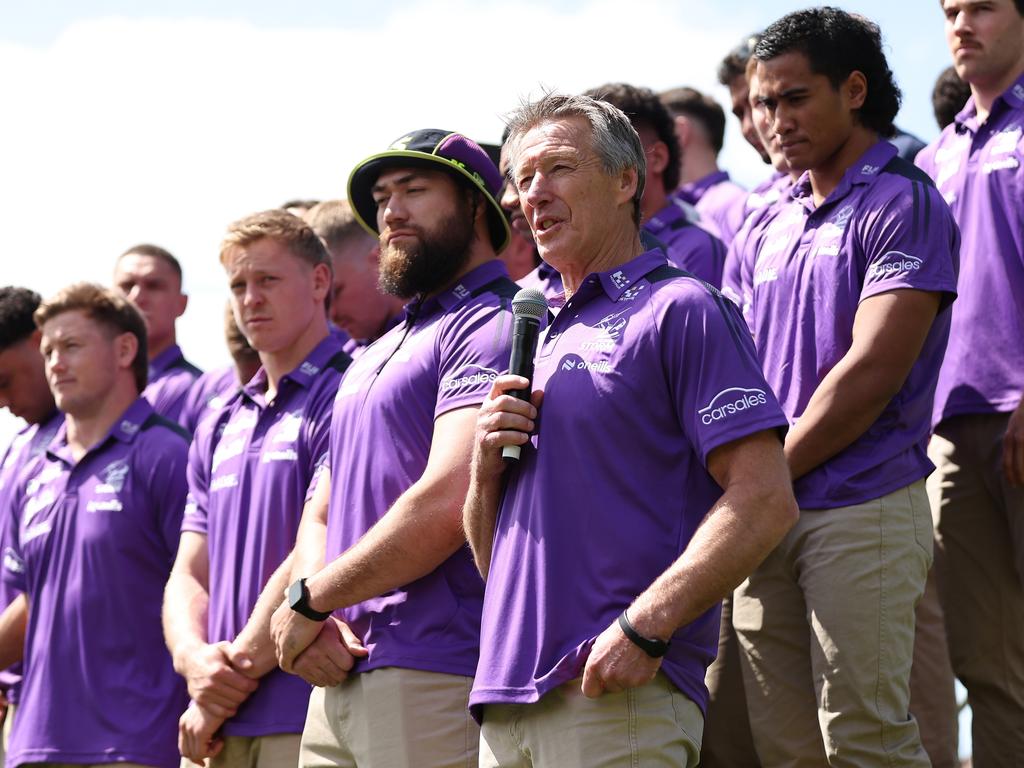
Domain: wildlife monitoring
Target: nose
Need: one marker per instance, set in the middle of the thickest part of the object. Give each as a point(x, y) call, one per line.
point(537, 193)
point(392, 212)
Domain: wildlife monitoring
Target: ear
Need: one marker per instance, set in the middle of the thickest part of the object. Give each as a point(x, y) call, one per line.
point(855, 89)
point(657, 158)
point(126, 346)
point(628, 181)
point(182, 304)
point(684, 130)
point(321, 282)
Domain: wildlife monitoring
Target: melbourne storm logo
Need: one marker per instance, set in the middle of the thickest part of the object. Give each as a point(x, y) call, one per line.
point(731, 401)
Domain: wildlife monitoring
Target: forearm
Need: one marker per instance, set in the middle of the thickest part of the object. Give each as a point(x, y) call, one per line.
point(478, 519)
point(254, 640)
point(13, 624)
point(743, 527)
point(420, 531)
point(848, 401)
point(184, 617)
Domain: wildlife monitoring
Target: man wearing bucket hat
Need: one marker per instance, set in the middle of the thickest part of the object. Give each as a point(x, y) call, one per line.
point(385, 513)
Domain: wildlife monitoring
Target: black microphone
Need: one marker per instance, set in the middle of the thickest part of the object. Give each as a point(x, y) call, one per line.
point(528, 307)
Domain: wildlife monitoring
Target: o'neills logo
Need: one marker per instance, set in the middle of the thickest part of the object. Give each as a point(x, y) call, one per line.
point(731, 401)
point(480, 376)
point(904, 263)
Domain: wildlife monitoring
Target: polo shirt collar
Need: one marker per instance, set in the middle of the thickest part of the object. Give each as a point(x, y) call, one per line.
point(864, 171)
point(454, 295)
point(618, 280)
point(302, 375)
point(124, 430)
point(165, 360)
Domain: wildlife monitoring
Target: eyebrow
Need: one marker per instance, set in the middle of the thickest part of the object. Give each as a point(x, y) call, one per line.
point(406, 179)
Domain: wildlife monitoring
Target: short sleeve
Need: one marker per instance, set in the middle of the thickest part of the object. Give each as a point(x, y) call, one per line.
point(910, 241)
point(197, 477)
point(716, 382)
point(168, 488)
point(473, 350)
point(318, 432)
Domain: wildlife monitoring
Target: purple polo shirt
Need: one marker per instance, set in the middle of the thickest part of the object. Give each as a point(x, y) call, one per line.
point(92, 543)
point(688, 246)
point(443, 356)
point(979, 169)
point(545, 279)
point(739, 258)
point(208, 394)
point(248, 470)
point(884, 228)
point(170, 378)
point(719, 201)
point(29, 443)
point(643, 376)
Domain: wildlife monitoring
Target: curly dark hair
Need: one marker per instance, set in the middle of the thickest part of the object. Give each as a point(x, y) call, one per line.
point(16, 308)
point(949, 96)
point(643, 107)
point(837, 43)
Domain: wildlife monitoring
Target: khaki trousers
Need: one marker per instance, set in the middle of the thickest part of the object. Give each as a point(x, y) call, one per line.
point(647, 727)
point(391, 718)
point(979, 535)
point(727, 742)
point(273, 751)
point(826, 627)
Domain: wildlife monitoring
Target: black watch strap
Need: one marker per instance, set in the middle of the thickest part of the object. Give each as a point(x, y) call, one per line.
point(653, 648)
point(298, 601)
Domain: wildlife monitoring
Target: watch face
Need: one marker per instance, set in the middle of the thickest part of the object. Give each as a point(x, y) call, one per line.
point(295, 594)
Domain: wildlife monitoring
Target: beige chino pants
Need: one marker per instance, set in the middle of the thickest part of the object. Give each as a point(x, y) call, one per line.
point(826, 627)
point(391, 718)
point(979, 535)
point(654, 726)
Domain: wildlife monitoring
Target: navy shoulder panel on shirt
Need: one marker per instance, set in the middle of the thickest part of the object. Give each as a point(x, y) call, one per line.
point(907, 170)
point(185, 365)
point(156, 420)
point(340, 361)
point(730, 312)
point(502, 287)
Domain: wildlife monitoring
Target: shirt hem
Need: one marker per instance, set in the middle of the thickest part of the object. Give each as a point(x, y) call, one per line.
point(977, 409)
point(41, 755)
point(440, 666)
point(883, 490)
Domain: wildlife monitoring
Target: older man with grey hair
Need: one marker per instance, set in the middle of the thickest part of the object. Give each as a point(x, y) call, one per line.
point(604, 570)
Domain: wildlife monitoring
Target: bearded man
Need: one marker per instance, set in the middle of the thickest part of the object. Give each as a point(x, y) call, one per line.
point(399, 592)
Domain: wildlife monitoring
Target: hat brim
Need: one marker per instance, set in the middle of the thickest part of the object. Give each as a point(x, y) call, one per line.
point(364, 176)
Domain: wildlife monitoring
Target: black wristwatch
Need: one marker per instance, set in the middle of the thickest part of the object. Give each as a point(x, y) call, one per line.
point(298, 601)
point(653, 648)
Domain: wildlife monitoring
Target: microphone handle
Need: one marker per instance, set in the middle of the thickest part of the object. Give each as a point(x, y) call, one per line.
point(524, 348)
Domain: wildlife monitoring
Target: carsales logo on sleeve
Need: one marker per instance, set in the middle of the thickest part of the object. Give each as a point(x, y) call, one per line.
point(894, 263)
point(731, 401)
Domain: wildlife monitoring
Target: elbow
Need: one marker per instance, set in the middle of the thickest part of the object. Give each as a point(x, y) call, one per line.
point(780, 511)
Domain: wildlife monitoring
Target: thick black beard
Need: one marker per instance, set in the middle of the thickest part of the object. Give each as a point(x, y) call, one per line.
point(433, 263)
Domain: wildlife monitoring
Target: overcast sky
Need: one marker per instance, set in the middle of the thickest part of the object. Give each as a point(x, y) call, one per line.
point(126, 122)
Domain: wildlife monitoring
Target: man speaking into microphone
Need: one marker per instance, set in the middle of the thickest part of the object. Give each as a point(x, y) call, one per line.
point(615, 539)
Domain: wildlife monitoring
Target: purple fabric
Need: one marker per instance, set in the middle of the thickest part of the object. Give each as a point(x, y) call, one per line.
point(641, 382)
point(687, 245)
point(248, 470)
point(29, 443)
point(979, 169)
point(92, 543)
point(442, 359)
point(545, 279)
point(208, 394)
point(770, 193)
point(885, 227)
point(171, 377)
point(719, 201)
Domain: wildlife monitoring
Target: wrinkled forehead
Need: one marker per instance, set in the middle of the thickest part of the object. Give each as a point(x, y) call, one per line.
point(555, 137)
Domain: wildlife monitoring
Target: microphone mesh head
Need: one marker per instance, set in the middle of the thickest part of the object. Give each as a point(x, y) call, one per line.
point(529, 302)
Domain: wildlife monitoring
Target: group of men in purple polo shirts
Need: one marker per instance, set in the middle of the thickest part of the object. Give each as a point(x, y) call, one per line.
point(669, 441)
